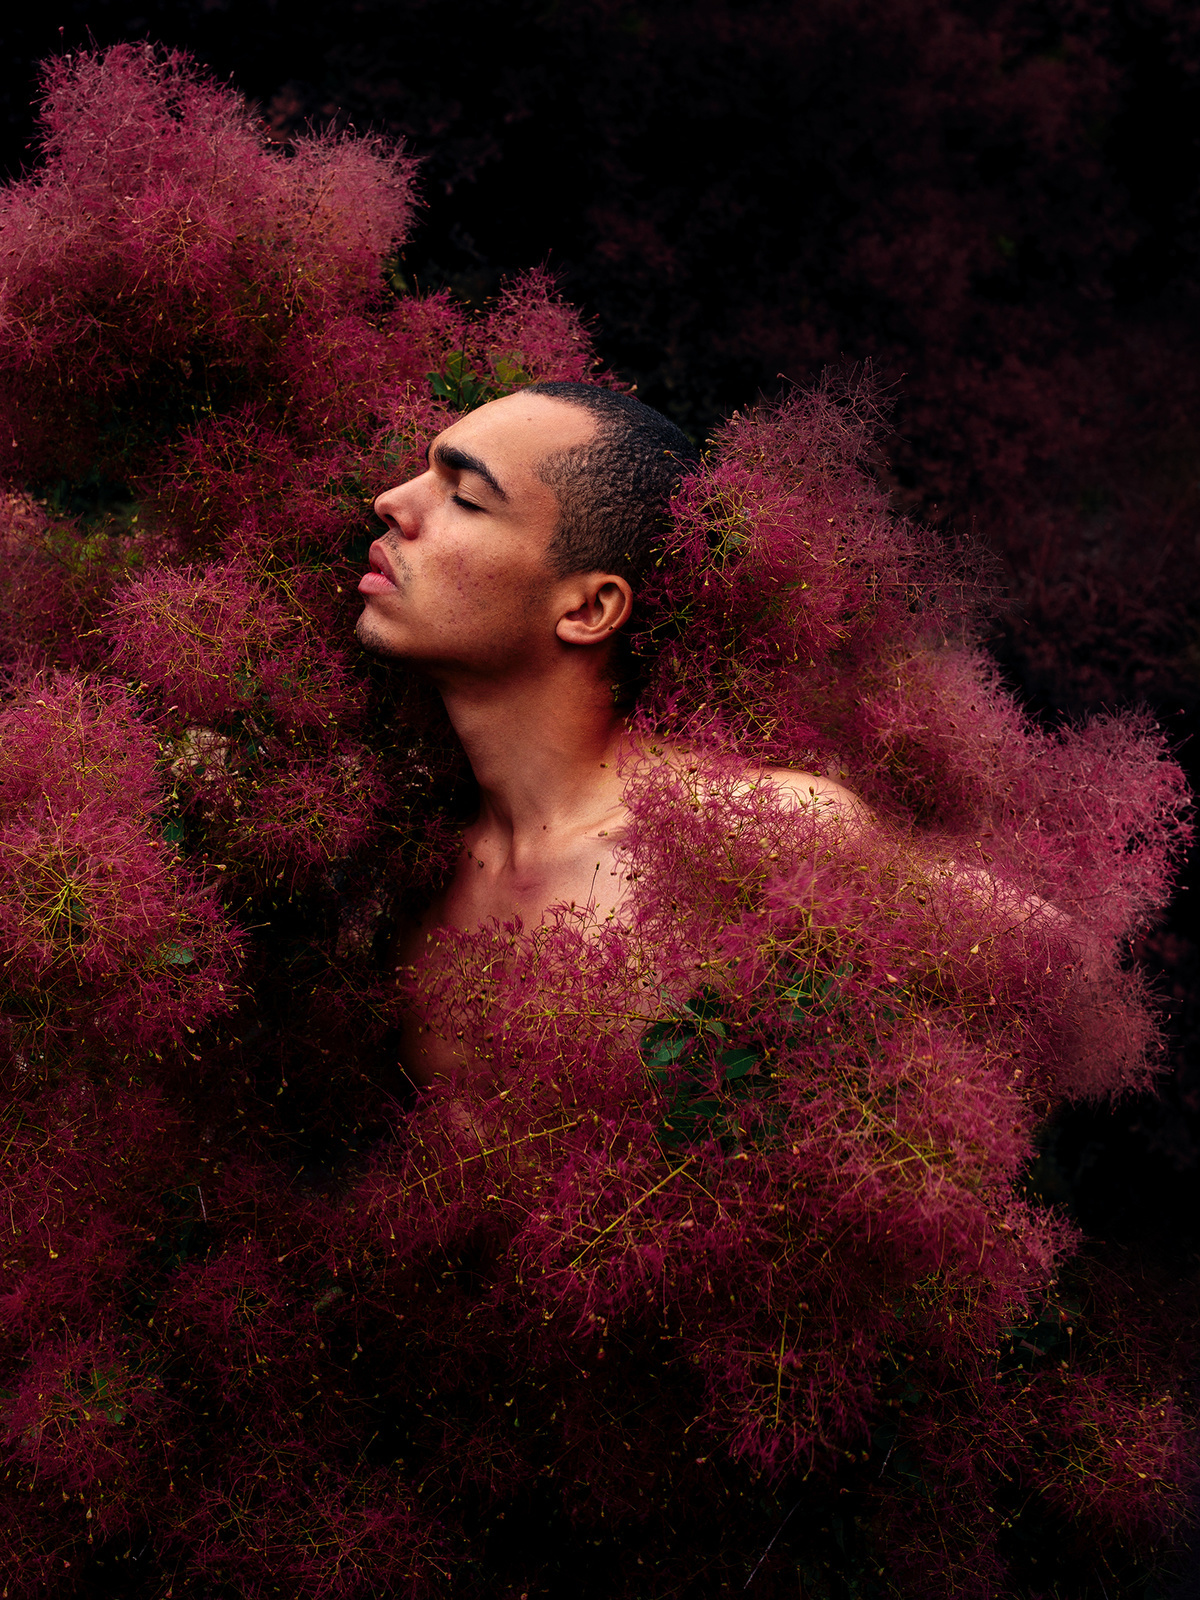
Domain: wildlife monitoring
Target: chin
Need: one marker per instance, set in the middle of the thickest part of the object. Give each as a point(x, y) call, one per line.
point(373, 638)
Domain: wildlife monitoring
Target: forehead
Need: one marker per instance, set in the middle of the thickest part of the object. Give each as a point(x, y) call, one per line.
point(514, 435)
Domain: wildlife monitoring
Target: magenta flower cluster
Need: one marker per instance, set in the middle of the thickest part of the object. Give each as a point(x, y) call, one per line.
point(738, 1212)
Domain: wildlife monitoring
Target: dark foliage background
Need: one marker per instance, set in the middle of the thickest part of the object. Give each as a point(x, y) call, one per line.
point(995, 203)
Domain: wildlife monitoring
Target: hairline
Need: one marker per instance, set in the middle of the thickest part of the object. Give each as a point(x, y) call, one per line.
point(605, 428)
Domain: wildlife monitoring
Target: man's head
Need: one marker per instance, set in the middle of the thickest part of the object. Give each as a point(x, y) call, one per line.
point(526, 534)
point(612, 491)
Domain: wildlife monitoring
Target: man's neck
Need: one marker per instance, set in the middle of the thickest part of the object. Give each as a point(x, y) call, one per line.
point(545, 750)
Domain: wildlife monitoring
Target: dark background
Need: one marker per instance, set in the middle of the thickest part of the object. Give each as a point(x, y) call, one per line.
point(996, 204)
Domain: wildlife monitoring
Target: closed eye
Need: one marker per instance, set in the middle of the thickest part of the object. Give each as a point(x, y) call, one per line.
point(467, 505)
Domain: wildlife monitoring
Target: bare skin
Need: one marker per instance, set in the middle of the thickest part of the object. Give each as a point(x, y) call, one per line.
point(460, 587)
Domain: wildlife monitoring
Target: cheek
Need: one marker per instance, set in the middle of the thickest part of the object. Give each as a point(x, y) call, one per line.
point(471, 585)
point(493, 588)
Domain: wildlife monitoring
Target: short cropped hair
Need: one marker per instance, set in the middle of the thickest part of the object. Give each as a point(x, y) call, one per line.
point(614, 491)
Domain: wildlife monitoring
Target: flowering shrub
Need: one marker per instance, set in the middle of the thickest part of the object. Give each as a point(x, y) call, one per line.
point(106, 934)
point(737, 1218)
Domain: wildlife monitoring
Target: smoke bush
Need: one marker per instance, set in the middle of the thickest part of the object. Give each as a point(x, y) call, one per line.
point(730, 1209)
point(66, 1422)
point(105, 935)
point(219, 644)
point(165, 250)
point(85, 1167)
point(531, 336)
point(322, 1533)
point(55, 582)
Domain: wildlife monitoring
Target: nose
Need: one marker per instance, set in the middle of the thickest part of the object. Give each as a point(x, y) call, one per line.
point(392, 507)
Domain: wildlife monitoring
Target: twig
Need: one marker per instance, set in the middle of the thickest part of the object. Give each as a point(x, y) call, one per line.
point(767, 1551)
point(633, 1206)
point(779, 1367)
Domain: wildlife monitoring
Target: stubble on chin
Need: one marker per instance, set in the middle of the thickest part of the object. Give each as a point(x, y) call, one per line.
point(374, 638)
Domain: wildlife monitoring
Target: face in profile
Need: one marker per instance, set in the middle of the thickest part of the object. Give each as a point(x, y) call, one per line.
point(460, 581)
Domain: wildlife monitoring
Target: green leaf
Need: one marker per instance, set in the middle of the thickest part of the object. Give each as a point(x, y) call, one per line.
point(737, 1063)
point(509, 371)
point(460, 386)
point(707, 1004)
point(174, 955)
point(664, 1053)
point(100, 1395)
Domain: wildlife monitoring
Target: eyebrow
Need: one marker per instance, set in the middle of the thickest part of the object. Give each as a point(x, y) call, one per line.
point(456, 460)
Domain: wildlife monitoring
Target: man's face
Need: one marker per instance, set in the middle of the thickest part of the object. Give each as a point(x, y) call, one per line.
point(460, 579)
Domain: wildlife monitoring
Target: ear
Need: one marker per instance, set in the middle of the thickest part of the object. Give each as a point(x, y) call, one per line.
point(597, 604)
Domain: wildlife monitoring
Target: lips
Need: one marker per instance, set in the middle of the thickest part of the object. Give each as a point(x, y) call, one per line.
point(379, 580)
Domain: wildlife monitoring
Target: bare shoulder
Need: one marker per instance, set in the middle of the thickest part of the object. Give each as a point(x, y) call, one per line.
point(803, 790)
point(808, 789)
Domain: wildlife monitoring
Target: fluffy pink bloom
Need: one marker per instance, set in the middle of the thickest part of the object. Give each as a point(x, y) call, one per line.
point(164, 232)
point(105, 934)
point(532, 335)
point(68, 1424)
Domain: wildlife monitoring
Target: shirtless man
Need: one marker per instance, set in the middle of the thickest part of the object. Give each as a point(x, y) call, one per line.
point(507, 571)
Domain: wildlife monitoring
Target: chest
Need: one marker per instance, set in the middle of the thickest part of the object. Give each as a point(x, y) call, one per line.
point(585, 873)
point(582, 873)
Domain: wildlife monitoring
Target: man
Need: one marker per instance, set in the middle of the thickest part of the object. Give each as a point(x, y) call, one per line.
point(507, 572)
